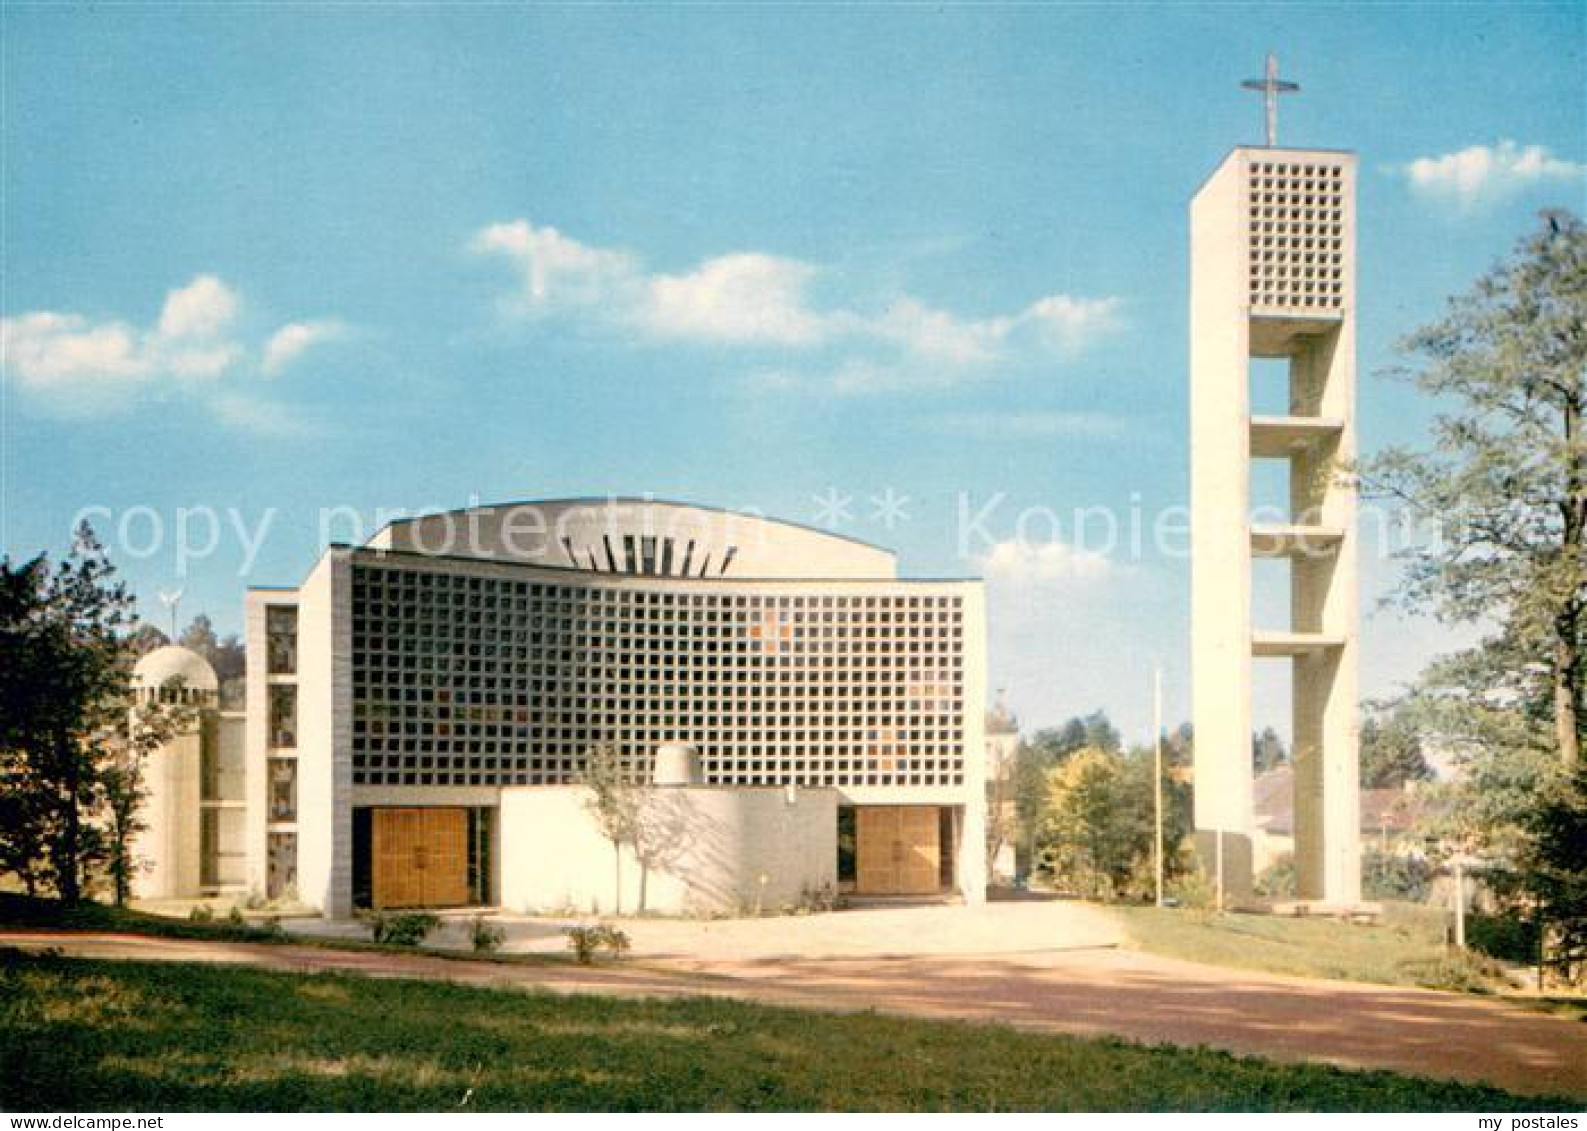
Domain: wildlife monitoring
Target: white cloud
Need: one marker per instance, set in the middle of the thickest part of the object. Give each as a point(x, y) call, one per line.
point(1061, 324)
point(53, 351)
point(289, 342)
point(45, 349)
point(76, 364)
point(558, 272)
point(1482, 174)
point(744, 298)
point(1018, 563)
point(939, 336)
point(760, 300)
point(204, 308)
point(741, 298)
point(1071, 323)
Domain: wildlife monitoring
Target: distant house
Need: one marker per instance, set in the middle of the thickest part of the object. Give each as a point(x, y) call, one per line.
point(1387, 815)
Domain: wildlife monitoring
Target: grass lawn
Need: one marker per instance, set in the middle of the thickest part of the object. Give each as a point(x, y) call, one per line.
point(1406, 948)
point(23, 912)
point(19, 912)
point(92, 1035)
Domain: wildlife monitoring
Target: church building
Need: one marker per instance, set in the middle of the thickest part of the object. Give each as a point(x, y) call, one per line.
point(794, 718)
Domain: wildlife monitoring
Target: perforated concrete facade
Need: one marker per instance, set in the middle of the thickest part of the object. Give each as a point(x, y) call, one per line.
point(464, 679)
point(444, 680)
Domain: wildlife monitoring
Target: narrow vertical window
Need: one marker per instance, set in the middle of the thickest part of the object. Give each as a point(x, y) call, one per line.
point(281, 639)
point(283, 715)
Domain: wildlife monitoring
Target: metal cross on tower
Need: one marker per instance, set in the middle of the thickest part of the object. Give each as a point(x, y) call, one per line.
point(1271, 87)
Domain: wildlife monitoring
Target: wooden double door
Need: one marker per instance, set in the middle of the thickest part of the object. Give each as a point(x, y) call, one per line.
point(897, 850)
point(419, 858)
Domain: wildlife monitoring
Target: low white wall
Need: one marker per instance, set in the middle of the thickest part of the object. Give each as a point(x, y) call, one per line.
point(712, 846)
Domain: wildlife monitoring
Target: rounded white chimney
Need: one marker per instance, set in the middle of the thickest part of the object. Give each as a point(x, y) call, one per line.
point(677, 763)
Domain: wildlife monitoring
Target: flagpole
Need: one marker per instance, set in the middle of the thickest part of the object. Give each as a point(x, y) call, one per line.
point(1157, 775)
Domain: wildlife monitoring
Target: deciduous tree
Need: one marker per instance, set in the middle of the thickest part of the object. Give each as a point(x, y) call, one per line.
point(1098, 835)
point(1391, 752)
point(64, 678)
point(139, 733)
point(617, 803)
point(1506, 479)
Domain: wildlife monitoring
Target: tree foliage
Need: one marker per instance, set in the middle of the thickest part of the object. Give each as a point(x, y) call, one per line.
point(1554, 864)
point(1267, 750)
point(1506, 480)
point(64, 699)
point(1395, 876)
point(145, 639)
point(1391, 752)
point(1098, 836)
point(1037, 756)
point(1505, 486)
point(616, 802)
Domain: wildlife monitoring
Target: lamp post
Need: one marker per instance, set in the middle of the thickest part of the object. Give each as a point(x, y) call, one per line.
point(1459, 866)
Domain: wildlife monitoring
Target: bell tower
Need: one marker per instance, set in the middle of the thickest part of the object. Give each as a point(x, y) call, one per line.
point(1272, 276)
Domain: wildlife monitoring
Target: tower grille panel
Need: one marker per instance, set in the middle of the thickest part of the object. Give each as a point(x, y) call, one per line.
point(1297, 224)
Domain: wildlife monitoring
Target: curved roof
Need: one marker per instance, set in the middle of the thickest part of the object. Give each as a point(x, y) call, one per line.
point(649, 537)
point(170, 662)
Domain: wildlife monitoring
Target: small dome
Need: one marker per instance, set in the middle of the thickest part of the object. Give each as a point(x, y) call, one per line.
point(162, 665)
point(1000, 720)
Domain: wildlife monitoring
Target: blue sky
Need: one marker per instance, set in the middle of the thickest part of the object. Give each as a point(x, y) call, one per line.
point(306, 257)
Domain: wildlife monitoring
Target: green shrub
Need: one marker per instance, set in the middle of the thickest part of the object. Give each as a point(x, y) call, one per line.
point(1140, 886)
point(1277, 880)
point(587, 940)
point(1192, 890)
point(485, 935)
point(201, 914)
point(234, 917)
point(1507, 937)
point(1387, 875)
point(406, 929)
point(1462, 970)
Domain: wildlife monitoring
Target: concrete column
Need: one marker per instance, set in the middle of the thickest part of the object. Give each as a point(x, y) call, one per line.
point(325, 830)
point(1220, 529)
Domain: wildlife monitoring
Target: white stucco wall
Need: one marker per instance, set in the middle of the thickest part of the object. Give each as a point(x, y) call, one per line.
point(325, 866)
point(168, 848)
point(715, 844)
